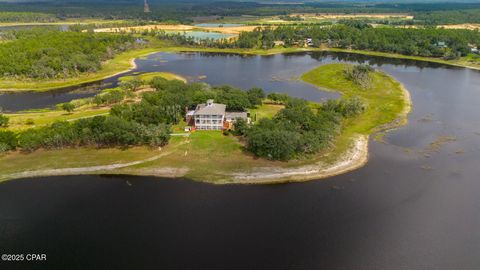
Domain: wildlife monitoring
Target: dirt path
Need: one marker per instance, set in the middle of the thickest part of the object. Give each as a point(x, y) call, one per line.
point(79, 170)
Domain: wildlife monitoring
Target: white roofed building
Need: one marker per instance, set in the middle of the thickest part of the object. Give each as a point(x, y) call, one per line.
point(209, 116)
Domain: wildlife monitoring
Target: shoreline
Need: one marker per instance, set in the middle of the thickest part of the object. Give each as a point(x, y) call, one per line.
point(357, 157)
point(132, 65)
point(354, 157)
point(170, 49)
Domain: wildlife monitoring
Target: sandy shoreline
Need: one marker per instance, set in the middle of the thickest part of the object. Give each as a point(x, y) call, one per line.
point(355, 158)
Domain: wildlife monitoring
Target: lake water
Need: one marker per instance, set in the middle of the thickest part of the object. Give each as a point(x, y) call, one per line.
point(277, 73)
point(415, 205)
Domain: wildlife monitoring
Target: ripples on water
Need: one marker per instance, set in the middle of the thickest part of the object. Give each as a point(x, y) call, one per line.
point(404, 210)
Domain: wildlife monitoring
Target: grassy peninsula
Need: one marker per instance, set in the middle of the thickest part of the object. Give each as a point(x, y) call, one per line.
point(213, 157)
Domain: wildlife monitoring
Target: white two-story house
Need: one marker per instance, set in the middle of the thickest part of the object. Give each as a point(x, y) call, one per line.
point(209, 116)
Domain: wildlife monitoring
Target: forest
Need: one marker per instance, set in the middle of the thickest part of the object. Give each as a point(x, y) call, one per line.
point(27, 17)
point(48, 54)
point(428, 42)
point(185, 11)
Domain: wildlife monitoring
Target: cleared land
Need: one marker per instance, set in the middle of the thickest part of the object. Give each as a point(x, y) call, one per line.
point(212, 157)
point(337, 16)
point(178, 27)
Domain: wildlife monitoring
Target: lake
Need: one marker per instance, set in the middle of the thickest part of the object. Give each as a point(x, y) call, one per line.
point(415, 205)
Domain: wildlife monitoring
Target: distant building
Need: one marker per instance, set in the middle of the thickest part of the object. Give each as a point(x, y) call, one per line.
point(213, 116)
point(441, 44)
point(309, 42)
point(279, 43)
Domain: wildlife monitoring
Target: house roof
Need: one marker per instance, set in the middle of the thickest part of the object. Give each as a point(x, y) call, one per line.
point(212, 109)
point(234, 115)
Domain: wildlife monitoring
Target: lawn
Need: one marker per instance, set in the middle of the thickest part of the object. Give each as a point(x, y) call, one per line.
point(387, 102)
point(150, 75)
point(21, 121)
point(70, 157)
point(265, 111)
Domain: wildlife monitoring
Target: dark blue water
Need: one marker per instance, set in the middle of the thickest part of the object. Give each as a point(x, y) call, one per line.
point(275, 73)
point(413, 206)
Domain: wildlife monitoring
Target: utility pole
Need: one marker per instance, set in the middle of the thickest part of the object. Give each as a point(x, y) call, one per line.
point(146, 8)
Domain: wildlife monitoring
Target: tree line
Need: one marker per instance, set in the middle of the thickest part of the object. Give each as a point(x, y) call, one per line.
point(27, 17)
point(408, 41)
point(47, 54)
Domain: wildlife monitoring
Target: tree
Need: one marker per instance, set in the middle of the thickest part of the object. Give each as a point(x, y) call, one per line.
point(235, 99)
point(360, 74)
point(3, 120)
point(240, 127)
point(255, 95)
point(132, 84)
point(68, 107)
point(275, 144)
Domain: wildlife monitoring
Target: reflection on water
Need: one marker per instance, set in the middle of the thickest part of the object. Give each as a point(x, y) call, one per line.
point(274, 73)
point(415, 205)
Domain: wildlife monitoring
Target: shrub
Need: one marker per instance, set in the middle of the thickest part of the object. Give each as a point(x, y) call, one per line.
point(278, 98)
point(240, 127)
point(360, 75)
point(3, 120)
point(8, 141)
point(68, 107)
point(109, 96)
point(346, 107)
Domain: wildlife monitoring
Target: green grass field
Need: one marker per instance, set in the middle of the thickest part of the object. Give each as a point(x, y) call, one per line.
point(150, 75)
point(21, 121)
point(265, 111)
point(387, 101)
